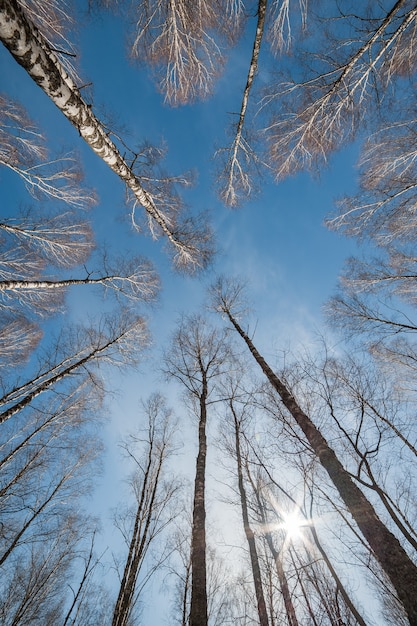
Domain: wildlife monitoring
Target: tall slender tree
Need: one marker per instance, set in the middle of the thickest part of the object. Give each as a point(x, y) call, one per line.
point(235, 177)
point(249, 533)
point(197, 357)
point(153, 495)
point(392, 557)
point(241, 164)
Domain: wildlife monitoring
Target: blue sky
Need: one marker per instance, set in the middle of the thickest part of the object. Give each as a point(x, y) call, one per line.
point(276, 243)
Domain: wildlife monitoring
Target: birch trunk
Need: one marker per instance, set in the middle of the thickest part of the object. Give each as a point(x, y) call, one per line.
point(59, 373)
point(31, 50)
point(235, 176)
point(136, 549)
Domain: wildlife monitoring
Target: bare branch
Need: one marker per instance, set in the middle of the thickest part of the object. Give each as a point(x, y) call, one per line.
point(23, 150)
point(279, 31)
point(324, 112)
point(116, 344)
point(385, 209)
point(32, 51)
point(59, 239)
point(235, 174)
point(176, 37)
point(134, 279)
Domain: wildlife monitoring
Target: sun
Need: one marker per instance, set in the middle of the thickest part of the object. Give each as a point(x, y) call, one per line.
point(293, 525)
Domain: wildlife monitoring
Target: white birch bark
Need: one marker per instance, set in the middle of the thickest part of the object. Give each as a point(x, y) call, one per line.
point(31, 50)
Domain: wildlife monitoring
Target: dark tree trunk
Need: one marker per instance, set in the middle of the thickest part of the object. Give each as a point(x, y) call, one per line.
point(198, 610)
point(386, 548)
point(282, 579)
point(256, 570)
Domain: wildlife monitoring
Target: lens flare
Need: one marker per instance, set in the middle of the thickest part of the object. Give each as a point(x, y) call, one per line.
point(293, 525)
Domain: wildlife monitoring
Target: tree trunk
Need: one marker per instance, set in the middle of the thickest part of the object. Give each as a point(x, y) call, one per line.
point(134, 561)
point(123, 602)
point(256, 570)
point(15, 285)
point(386, 548)
point(198, 609)
point(57, 373)
point(234, 165)
point(282, 579)
point(150, 504)
point(30, 49)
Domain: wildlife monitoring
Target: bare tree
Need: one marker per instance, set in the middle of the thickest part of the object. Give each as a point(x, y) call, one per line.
point(375, 293)
point(179, 40)
point(238, 418)
point(48, 458)
point(23, 150)
point(153, 494)
point(320, 112)
point(47, 455)
point(385, 546)
point(242, 162)
point(116, 344)
point(281, 520)
point(134, 279)
point(281, 515)
point(236, 179)
point(35, 241)
point(189, 238)
point(196, 358)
